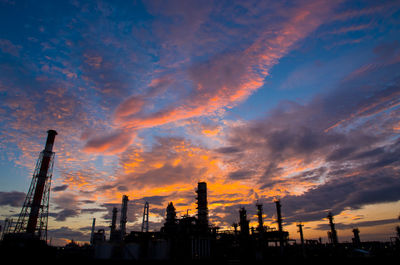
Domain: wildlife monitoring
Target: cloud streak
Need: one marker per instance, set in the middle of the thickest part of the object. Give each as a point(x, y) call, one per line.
point(224, 79)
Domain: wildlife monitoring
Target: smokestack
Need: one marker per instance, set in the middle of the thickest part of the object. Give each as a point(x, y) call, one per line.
point(279, 215)
point(51, 135)
point(171, 214)
point(170, 222)
point(244, 223)
point(235, 226)
point(279, 219)
point(333, 233)
point(124, 209)
point(41, 178)
point(202, 209)
point(145, 221)
point(114, 220)
point(300, 226)
point(91, 235)
point(260, 217)
point(356, 239)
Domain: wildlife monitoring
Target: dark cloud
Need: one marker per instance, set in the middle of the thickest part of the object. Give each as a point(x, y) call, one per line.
point(342, 193)
point(64, 214)
point(12, 198)
point(68, 233)
point(241, 174)
point(87, 201)
point(60, 188)
point(157, 200)
point(67, 205)
point(348, 131)
point(359, 224)
point(341, 153)
point(93, 210)
point(227, 150)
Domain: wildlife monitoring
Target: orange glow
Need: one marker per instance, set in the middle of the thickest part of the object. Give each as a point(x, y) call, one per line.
point(211, 132)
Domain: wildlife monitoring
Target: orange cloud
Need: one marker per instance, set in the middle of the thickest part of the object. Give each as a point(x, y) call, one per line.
point(224, 80)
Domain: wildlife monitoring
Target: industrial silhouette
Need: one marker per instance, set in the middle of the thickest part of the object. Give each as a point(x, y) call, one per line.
point(184, 239)
point(33, 219)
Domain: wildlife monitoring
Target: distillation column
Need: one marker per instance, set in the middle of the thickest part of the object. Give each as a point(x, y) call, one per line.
point(202, 207)
point(123, 220)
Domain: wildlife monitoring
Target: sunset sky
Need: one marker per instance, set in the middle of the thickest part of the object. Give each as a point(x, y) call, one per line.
point(297, 100)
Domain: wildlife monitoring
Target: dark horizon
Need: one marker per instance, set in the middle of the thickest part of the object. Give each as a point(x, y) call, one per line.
point(259, 99)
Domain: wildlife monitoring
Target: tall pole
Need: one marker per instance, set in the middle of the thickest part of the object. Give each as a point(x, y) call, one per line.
point(202, 206)
point(41, 181)
point(145, 221)
point(92, 234)
point(279, 219)
point(260, 218)
point(300, 226)
point(114, 220)
point(243, 223)
point(124, 209)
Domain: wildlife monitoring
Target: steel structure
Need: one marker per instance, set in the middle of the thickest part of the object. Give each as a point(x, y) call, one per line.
point(92, 233)
point(33, 218)
point(260, 227)
point(303, 250)
point(333, 234)
point(145, 221)
point(300, 226)
point(114, 220)
point(243, 223)
point(124, 210)
point(202, 206)
point(280, 228)
point(356, 239)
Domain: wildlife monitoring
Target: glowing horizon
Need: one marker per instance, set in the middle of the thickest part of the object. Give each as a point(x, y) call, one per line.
point(260, 99)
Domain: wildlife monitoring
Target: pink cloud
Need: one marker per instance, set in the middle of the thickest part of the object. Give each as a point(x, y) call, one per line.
point(229, 78)
point(7, 46)
point(129, 107)
point(114, 142)
point(225, 79)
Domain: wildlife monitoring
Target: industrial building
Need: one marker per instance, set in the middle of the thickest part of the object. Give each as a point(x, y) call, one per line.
point(33, 219)
point(188, 238)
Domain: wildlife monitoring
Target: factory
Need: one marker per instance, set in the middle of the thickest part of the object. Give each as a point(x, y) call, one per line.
point(187, 238)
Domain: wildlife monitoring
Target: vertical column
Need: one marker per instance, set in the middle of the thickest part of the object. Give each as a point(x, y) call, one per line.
point(124, 209)
point(202, 207)
point(333, 234)
point(40, 182)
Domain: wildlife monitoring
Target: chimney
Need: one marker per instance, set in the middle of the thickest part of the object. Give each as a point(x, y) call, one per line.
point(45, 161)
point(333, 233)
point(124, 209)
point(244, 223)
point(202, 208)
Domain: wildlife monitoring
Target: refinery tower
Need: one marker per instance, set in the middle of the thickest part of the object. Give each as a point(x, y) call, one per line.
point(32, 221)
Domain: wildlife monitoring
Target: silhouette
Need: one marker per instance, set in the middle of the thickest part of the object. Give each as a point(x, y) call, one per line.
point(332, 235)
point(184, 239)
point(33, 219)
point(145, 221)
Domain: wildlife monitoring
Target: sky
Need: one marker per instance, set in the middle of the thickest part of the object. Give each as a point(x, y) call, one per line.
point(296, 100)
